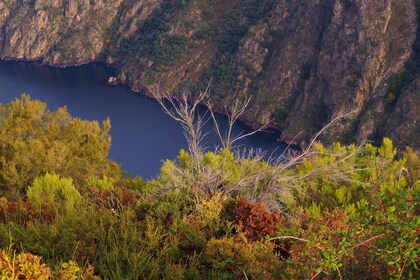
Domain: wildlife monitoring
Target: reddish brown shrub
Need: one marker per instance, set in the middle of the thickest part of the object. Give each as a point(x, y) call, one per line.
point(128, 197)
point(114, 199)
point(254, 219)
point(22, 212)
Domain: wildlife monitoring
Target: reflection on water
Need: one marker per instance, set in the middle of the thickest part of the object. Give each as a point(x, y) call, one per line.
point(142, 135)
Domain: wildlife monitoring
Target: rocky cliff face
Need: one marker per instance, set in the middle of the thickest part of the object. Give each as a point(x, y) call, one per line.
point(58, 32)
point(403, 123)
point(301, 61)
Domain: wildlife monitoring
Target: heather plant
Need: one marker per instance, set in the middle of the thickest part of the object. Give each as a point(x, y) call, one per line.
point(210, 212)
point(54, 192)
point(253, 219)
point(104, 184)
point(15, 266)
point(233, 259)
point(23, 265)
point(378, 237)
point(23, 212)
point(339, 212)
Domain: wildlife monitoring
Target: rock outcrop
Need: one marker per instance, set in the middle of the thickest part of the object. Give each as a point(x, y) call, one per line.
point(301, 61)
point(403, 124)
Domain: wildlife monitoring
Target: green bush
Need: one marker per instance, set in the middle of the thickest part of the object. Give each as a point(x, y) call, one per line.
point(52, 191)
point(34, 141)
point(338, 212)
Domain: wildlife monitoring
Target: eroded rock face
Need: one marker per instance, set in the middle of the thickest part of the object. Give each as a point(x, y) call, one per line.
point(365, 43)
point(301, 61)
point(403, 124)
point(60, 32)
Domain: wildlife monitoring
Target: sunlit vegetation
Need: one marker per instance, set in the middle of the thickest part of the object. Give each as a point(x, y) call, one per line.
point(343, 212)
point(27, 266)
point(34, 141)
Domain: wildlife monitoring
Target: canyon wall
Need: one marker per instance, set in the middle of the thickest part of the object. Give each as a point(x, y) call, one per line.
point(302, 62)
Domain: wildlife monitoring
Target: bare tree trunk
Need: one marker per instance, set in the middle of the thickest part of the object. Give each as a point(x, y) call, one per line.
point(206, 180)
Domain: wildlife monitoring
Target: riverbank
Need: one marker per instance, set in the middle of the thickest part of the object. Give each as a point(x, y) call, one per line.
point(217, 108)
point(142, 135)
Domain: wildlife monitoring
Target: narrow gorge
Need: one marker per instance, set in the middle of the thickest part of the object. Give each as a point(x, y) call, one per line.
point(301, 61)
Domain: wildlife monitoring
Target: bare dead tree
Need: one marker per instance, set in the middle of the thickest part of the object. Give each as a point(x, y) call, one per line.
point(269, 183)
point(233, 114)
point(184, 110)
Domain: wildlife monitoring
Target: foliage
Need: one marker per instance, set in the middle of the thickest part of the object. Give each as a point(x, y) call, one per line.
point(23, 212)
point(223, 173)
point(34, 141)
point(53, 191)
point(373, 231)
point(254, 220)
point(23, 265)
point(232, 257)
point(27, 266)
point(331, 212)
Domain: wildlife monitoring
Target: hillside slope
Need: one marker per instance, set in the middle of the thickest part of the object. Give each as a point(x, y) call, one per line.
point(302, 61)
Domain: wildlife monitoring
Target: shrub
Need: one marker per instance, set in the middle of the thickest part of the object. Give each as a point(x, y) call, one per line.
point(210, 212)
point(71, 271)
point(253, 219)
point(350, 212)
point(34, 141)
point(27, 266)
point(237, 258)
point(54, 192)
point(378, 239)
point(24, 265)
point(23, 212)
point(113, 200)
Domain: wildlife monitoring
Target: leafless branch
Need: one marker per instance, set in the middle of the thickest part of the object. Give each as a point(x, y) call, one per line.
point(185, 111)
point(233, 114)
point(268, 183)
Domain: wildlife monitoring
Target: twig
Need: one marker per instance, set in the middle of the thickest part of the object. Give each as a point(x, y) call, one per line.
point(288, 237)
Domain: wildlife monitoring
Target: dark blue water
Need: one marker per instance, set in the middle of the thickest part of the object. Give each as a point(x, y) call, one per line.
point(142, 134)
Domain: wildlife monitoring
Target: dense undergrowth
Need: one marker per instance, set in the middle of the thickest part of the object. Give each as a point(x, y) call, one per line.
point(66, 212)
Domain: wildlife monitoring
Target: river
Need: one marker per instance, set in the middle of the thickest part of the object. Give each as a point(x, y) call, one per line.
point(142, 134)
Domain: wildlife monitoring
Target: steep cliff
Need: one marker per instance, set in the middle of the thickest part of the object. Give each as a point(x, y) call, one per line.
point(301, 61)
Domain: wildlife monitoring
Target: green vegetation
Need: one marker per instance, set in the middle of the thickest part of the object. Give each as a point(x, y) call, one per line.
point(34, 141)
point(67, 213)
point(153, 40)
point(232, 26)
point(27, 266)
point(165, 40)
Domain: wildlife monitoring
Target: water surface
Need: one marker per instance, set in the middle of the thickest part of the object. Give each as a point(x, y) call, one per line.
point(142, 134)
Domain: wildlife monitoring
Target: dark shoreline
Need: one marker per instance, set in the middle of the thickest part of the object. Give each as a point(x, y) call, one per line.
point(249, 124)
